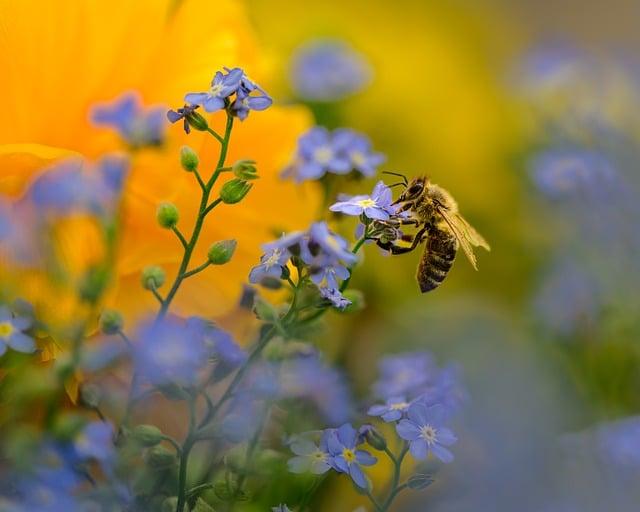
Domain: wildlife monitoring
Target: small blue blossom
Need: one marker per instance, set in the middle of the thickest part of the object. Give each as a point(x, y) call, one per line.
point(425, 432)
point(137, 125)
point(326, 70)
point(359, 151)
point(328, 276)
point(96, 442)
point(310, 457)
point(393, 410)
point(182, 113)
point(12, 332)
point(376, 206)
point(335, 297)
point(405, 374)
point(345, 457)
point(244, 102)
point(281, 508)
point(170, 352)
point(222, 86)
point(332, 247)
point(271, 265)
point(618, 442)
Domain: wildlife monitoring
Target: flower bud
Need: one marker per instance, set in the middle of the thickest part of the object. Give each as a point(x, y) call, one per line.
point(189, 159)
point(245, 169)
point(167, 215)
point(147, 435)
point(233, 191)
point(111, 321)
point(221, 252)
point(372, 436)
point(161, 457)
point(265, 311)
point(153, 277)
point(197, 122)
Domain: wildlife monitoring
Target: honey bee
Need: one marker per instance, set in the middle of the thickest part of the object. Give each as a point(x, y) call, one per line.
point(434, 213)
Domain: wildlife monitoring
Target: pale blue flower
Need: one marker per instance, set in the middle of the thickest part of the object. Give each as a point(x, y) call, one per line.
point(346, 457)
point(328, 70)
point(96, 442)
point(424, 429)
point(358, 148)
point(12, 332)
point(310, 457)
point(377, 206)
point(335, 297)
point(393, 410)
point(222, 86)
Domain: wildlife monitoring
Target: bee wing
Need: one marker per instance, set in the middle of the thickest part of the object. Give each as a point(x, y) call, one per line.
point(465, 234)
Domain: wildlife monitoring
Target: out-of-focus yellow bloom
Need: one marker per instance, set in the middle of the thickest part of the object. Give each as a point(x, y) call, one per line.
point(61, 57)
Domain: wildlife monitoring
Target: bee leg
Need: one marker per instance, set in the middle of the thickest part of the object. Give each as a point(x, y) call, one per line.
point(394, 248)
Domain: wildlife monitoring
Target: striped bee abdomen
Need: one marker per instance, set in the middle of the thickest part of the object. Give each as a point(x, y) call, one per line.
point(439, 252)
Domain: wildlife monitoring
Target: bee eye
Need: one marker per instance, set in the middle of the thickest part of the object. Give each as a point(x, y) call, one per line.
point(415, 189)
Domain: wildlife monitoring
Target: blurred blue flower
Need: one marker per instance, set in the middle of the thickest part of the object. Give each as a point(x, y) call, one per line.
point(96, 442)
point(320, 152)
point(618, 442)
point(569, 299)
point(222, 86)
point(559, 173)
point(12, 332)
point(168, 351)
point(280, 508)
point(326, 70)
point(376, 206)
point(137, 125)
point(219, 343)
point(358, 148)
point(406, 374)
point(310, 457)
point(74, 186)
point(329, 275)
point(345, 457)
point(392, 410)
point(309, 378)
point(335, 297)
point(425, 432)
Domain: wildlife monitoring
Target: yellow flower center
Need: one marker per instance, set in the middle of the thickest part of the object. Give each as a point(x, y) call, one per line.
point(358, 158)
point(319, 456)
point(399, 406)
point(215, 89)
point(349, 455)
point(365, 203)
point(273, 259)
point(6, 329)
point(428, 433)
point(323, 155)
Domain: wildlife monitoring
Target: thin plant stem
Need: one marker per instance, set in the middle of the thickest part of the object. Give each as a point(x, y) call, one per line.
point(197, 269)
point(180, 236)
point(395, 488)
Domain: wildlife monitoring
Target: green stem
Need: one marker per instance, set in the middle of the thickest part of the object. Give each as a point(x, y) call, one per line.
point(197, 269)
point(184, 457)
point(375, 503)
point(202, 213)
point(215, 134)
point(180, 236)
point(395, 488)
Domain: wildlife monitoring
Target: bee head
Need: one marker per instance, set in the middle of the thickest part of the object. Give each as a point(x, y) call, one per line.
point(413, 190)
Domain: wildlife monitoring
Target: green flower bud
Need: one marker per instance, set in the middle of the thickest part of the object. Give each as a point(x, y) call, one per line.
point(153, 277)
point(233, 191)
point(188, 159)
point(147, 435)
point(221, 252)
point(167, 215)
point(375, 438)
point(90, 395)
point(93, 284)
point(197, 122)
point(245, 169)
point(419, 481)
point(265, 311)
point(161, 457)
point(111, 321)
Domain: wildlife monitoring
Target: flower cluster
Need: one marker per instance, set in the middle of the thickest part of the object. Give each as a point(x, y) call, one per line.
point(420, 399)
point(319, 252)
point(339, 152)
point(248, 95)
point(377, 206)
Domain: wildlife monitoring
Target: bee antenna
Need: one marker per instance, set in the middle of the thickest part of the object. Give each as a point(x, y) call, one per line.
point(399, 184)
point(404, 178)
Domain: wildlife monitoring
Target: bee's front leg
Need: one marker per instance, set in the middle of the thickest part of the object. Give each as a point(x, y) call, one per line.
point(395, 248)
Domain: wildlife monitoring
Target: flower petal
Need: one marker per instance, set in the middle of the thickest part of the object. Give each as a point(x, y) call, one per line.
point(299, 464)
point(418, 449)
point(442, 453)
point(21, 342)
point(358, 476)
point(408, 430)
point(365, 458)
